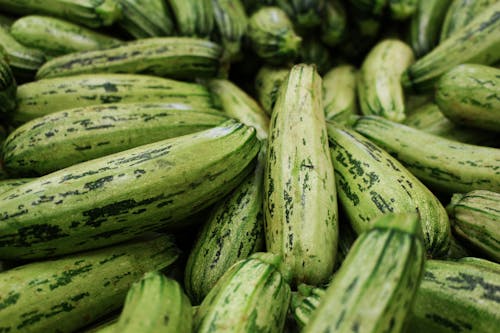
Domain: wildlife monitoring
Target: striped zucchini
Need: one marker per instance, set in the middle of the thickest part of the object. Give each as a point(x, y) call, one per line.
point(445, 165)
point(239, 105)
point(82, 134)
point(56, 37)
point(8, 87)
point(372, 7)
point(470, 96)
point(304, 13)
point(460, 13)
point(271, 35)
point(379, 86)
point(67, 293)
point(231, 23)
point(146, 18)
point(456, 297)
point(193, 17)
point(403, 9)
point(39, 98)
point(339, 93)
point(233, 231)
point(378, 297)
point(334, 23)
point(8, 184)
point(176, 57)
point(91, 13)
point(252, 296)
point(303, 304)
point(300, 204)
point(371, 183)
point(119, 196)
point(475, 218)
point(313, 51)
point(153, 304)
point(478, 42)
point(267, 84)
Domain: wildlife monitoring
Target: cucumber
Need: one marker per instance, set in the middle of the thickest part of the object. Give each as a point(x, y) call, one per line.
point(155, 304)
point(56, 37)
point(469, 95)
point(339, 93)
point(39, 98)
point(252, 296)
point(475, 219)
point(90, 13)
point(300, 205)
point(119, 196)
point(478, 42)
point(193, 17)
point(231, 23)
point(8, 87)
point(67, 293)
point(378, 297)
point(82, 134)
point(379, 87)
point(444, 165)
point(146, 18)
point(267, 84)
point(334, 23)
point(313, 51)
point(306, 14)
point(176, 57)
point(8, 184)
point(371, 183)
point(402, 9)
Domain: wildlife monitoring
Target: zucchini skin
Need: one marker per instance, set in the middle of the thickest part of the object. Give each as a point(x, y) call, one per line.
point(469, 95)
point(67, 293)
point(339, 93)
point(117, 197)
point(8, 87)
point(300, 206)
point(304, 304)
point(175, 57)
point(231, 22)
point(8, 184)
point(334, 23)
point(82, 134)
point(378, 297)
point(478, 42)
point(475, 219)
point(193, 17)
point(146, 18)
point(445, 165)
point(267, 84)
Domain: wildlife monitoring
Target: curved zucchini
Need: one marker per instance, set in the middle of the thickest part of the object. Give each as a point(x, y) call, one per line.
point(193, 17)
point(231, 23)
point(267, 84)
point(305, 14)
point(8, 87)
point(339, 93)
point(146, 18)
point(334, 23)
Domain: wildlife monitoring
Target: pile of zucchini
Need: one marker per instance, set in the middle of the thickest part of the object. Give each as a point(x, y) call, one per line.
point(250, 166)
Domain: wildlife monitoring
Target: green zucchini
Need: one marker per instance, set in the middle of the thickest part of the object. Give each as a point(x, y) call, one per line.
point(444, 165)
point(478, 42)
point(146, 18)
point(475, 219)
point(231, 23)
point(239, 105)
point(371, 183)
point(193, 17)
point(153, 304)
point(339, 93)
point(313, 51)
point(305, 14)
point(267, 84)
point(377, 297)
point(67, 293)
point(42, 97)
point(334, 23)
point(82, 134)
point(8, 184)
point(176, 57)
point(300, 204)
point(119, 196)
point(90, 13)
point(8, 87)
point(304, 305)
point(379, 86)
point(271, 36)
point(403, 9)
point(252, 296)
point(234, 230)
point(469, 95)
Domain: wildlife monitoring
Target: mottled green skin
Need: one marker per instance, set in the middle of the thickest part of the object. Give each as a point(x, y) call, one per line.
point(92, 13)
point(175, 57)
point(475, 219)
point(456, 297)
point(67, 293)
point(379, 86)
point(334, 23)
point(231, 23)
point(42, 97)
point(469, 95)
point(373, 7)
point(478, 42)
point(339, 93)
point(82, 134)
point(193, 17)
point(8, 87)
point(233, 231)
point(305, 14)
point(8, 184)
point(371, 183)
point(300, 204)
point(119, 196)
point(303, 307)
point(313, 51)
point(378, 297)
point(442, 164)
point(252, 296)
point(146, 18)
point(155, 304)
point(267, 84)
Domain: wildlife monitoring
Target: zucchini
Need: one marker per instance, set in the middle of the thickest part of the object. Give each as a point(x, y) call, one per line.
point(403, 9)
point(267, 84)
point(82, 134)
point(8, 87)
point(119, 196)
point(469, 95)
point(8, 184)
point(303, 305)
point(334, 23)
point(300, 204)
point(176, 57)
point(231, 23)
point(305, 14)
point(193, 17)
point(67, 293)
point(313, 51)
point(475, 219)
point(339, 93)
point(444, 165)
point(146, 18)
point(378, 297)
